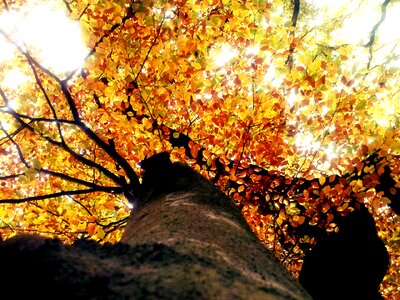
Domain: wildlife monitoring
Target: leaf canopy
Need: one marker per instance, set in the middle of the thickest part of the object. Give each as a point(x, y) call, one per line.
point(293, 119)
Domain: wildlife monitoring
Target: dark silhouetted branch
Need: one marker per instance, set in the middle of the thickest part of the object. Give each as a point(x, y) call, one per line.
point(112, 190)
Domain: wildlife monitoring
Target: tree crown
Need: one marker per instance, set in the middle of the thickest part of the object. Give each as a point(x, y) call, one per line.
point(294, 120)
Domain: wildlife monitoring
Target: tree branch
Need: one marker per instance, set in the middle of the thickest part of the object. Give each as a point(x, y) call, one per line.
point(65, 147)
point(372, 35)
point(133, 179)
point(66, 3)
point(45, 171)
point(148, 52)
point(21, 156)
point(108, 33)
point(38, 120)
point(53, 111)
point(6, 5)
point(295, 15)
point(71, 179)
point(296, 10)
point(112, 190)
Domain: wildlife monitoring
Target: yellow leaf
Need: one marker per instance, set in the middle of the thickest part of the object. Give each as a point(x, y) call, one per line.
point(197, 66)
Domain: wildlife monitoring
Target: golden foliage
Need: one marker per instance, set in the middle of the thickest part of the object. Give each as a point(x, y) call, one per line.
point(283, 118)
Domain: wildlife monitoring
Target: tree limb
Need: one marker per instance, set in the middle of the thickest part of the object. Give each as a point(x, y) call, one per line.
point(374, 30)
point(295, 15)
point(65, 147)
point(112, 190)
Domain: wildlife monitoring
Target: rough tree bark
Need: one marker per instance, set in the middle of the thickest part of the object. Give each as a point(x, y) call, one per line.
point(185, 240)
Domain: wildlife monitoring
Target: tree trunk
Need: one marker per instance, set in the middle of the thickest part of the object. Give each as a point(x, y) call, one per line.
point(221, 257)
point(185, 240)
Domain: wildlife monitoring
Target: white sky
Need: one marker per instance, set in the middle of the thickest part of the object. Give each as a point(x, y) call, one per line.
point(363, 15)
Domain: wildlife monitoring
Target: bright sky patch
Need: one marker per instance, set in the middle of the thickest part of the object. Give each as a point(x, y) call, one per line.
point(46, 32)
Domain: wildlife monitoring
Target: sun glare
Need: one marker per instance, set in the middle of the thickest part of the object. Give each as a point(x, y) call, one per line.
point(167, 14)
point(360, 20)
point(14, 78)
point(43, 29)
point(334, 6)
point(383, 112)
point(7, 51)
point(356, 29)
point(223, 55)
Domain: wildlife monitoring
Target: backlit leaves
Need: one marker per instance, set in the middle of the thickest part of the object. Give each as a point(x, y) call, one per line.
point(292, 124)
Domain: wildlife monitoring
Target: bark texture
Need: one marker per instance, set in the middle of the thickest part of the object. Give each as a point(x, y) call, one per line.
point(180, 209)
point(185, 240)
